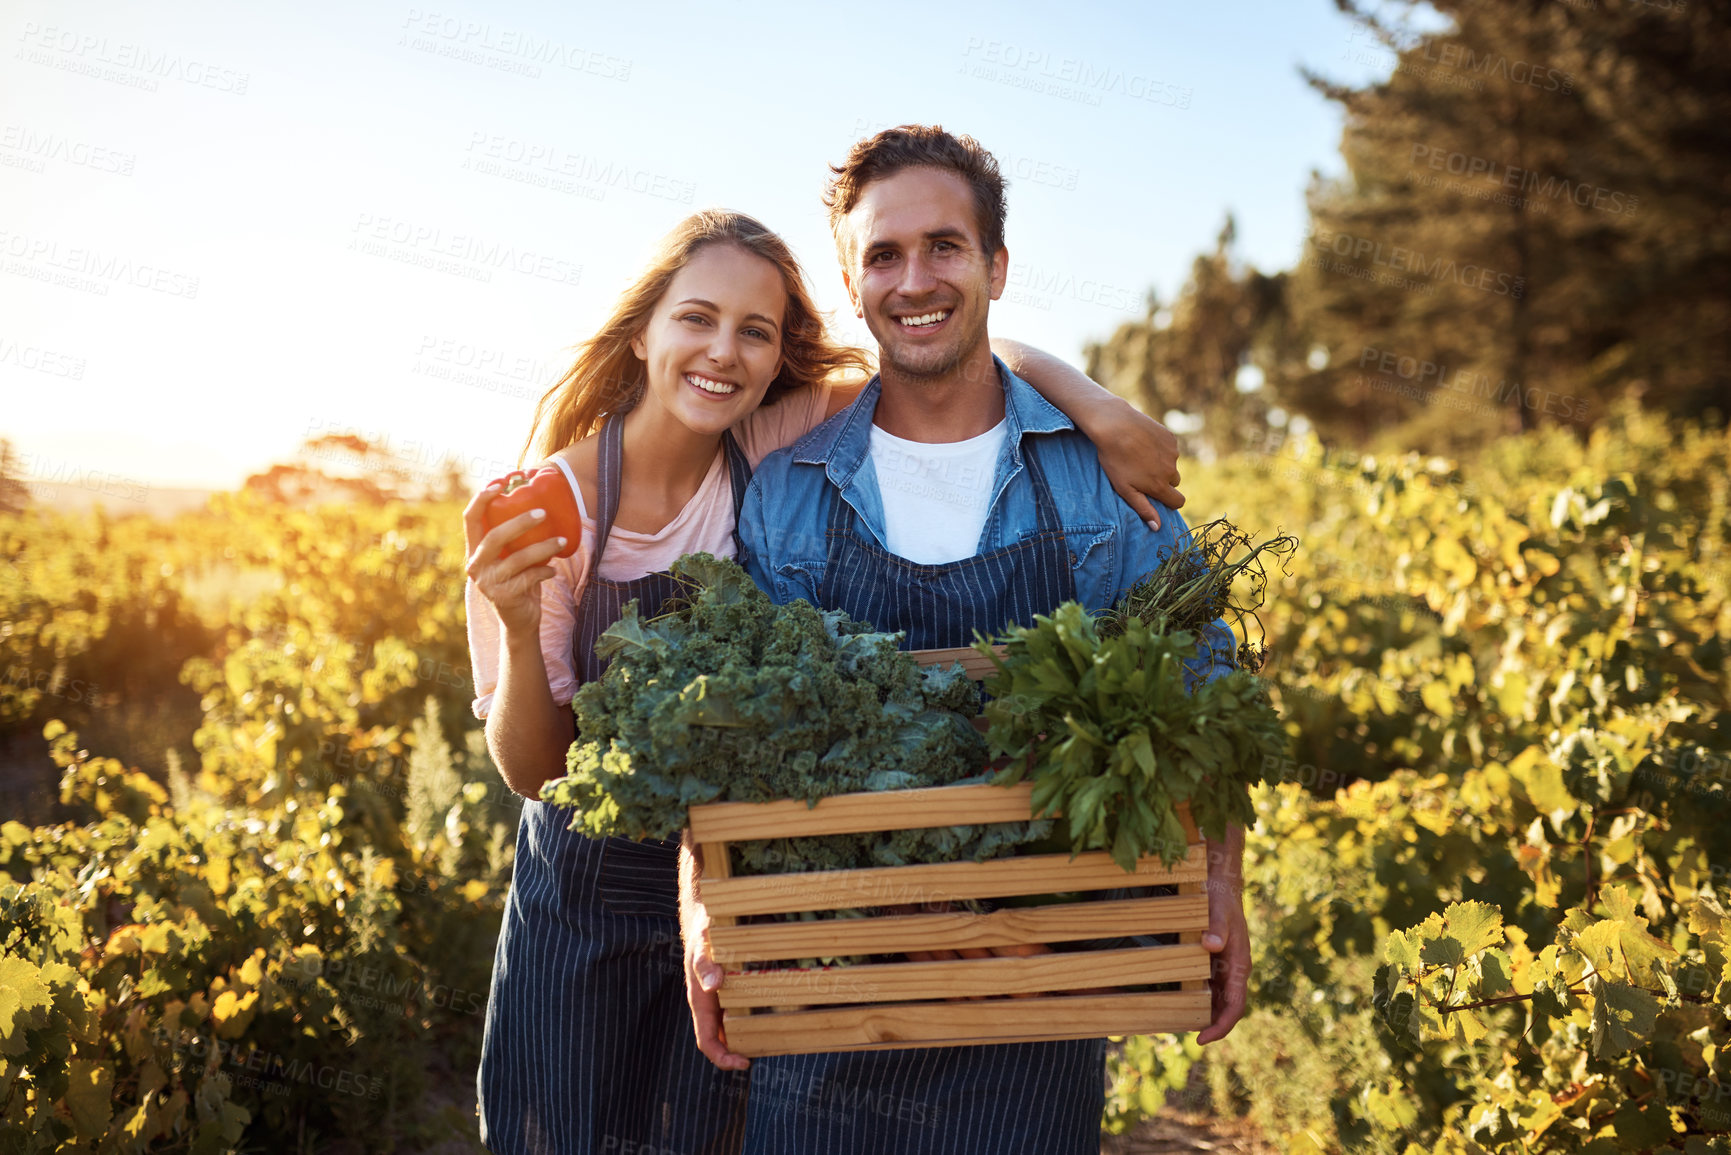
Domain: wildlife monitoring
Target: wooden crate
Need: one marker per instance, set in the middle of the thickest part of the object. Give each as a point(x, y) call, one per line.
point(966, 1001)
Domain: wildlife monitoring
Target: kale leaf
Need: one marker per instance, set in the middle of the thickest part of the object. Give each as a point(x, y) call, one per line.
point(728, 697)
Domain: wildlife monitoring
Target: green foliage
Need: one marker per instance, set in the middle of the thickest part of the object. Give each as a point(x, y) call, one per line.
point(1498, 206)
point(1141, 1071)
point(729, 697)
point(271, 951)
point(1188, 355)
point(1606, 989)
point(1114, 738)
point(433, 781)
point(96, 626)
point(1506, 683)
point(1519, 237)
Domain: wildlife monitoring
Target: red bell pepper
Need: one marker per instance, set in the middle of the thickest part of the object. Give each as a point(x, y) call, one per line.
point(544, 488)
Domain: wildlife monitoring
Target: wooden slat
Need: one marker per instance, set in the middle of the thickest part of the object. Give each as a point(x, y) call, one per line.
point(976, 664)
point(862, 813)
point(940, 882)
point(714, 864)
point(958, 1024)
point(1193, 891)
point(713, 861)
point(895, 934)
point(906, 981)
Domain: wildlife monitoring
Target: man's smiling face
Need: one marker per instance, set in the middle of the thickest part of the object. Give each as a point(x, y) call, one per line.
point(918, 274)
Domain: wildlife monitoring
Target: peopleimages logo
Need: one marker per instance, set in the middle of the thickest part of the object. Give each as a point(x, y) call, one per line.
point(90, 269)
point(40, 360)
point(136, 65)
point(40, 147)
point(1525, 180)
point(269, 1067)
point(1434, 381)
point(1451, 62)
point(1067, 77)
point(503, 48)
point(464, 254)
point(1033, 285)
point(546, 165)
point(1471, 275)
point(1456, 55)
point(38, 470)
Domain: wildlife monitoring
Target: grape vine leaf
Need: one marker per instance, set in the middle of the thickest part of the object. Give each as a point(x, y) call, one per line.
point(1391, 1109)
point(1623, 1016)
point(1492, 1124)
point(89, 1097)
point(1712, 926)
point(1619, 946)
point(1542, 779)
point(24, 1002)
point(1397, 1004)
point(1403, 947)
point(1707, 920)
point(1495, 971)
point(1641, 1127)
point(1467, 1027)
point(1464, 930)
point(1550, 985)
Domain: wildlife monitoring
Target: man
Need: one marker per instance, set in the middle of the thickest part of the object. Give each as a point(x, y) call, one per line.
point(948, 498)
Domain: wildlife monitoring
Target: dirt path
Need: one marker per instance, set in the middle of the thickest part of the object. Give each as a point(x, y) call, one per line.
point(1184, 1131)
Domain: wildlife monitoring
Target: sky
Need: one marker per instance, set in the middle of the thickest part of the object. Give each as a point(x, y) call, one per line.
point(225, 228)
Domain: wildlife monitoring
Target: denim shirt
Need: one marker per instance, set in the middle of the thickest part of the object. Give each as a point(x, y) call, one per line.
point(782, 525)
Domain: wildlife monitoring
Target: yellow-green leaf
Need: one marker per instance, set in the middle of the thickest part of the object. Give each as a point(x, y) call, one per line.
point(89, 1097)
point(24, 1002)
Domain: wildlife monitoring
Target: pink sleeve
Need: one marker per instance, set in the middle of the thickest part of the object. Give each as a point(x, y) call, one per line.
point(772, 427)
point(559, 595)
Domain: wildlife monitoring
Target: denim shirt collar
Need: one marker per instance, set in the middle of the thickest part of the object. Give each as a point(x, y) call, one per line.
point(842, 446)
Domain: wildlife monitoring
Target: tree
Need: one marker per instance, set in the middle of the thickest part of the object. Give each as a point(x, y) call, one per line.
point(1531, 222)
point(1655, 83)
point(347, 467)
point(14, 494)
point(1192, 357)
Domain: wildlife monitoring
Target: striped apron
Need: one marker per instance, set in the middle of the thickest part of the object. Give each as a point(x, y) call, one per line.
point(589, 1047)
point(1000, 1099)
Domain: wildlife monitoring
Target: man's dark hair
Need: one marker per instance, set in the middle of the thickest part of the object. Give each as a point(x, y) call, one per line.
point(917, 146)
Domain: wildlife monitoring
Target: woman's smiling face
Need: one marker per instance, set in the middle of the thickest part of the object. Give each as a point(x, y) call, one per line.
point(712, 345)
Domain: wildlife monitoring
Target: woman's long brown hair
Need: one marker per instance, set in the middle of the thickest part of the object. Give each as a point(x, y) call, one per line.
point(608, 376)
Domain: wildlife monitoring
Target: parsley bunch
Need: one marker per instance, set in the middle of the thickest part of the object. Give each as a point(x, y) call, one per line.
point(1107, 717)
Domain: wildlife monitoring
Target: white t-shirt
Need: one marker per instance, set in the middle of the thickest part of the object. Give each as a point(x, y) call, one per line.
point(936, 494)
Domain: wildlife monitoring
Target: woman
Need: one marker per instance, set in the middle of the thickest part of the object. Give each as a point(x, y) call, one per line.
point(714, 357)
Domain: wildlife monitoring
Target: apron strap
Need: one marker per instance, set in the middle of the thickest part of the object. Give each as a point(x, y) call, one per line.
point(610, 465)
point(739, 472)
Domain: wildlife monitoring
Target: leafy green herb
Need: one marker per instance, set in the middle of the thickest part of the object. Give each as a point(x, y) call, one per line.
point(1217, 572)
point(1114, 740)
point(1111, 719)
